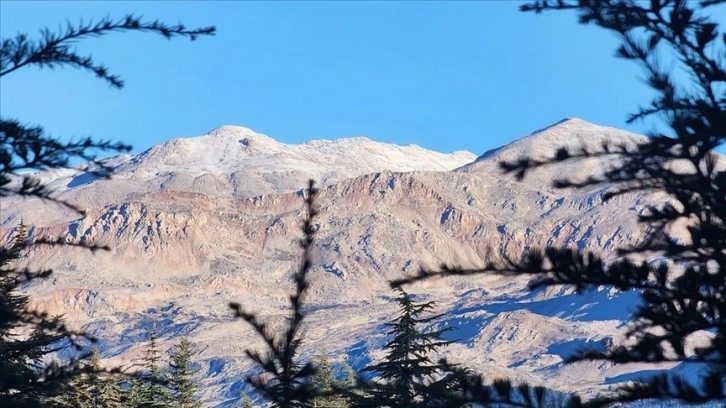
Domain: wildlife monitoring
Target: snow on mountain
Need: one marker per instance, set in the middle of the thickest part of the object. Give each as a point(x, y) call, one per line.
point(195, 223)
point(573, 132)
point(228, 149)
point(234, 161)
point(238, 161)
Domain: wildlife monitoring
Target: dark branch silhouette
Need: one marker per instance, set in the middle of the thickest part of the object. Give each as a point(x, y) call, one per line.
point(27, 147)
point(407, 377)
point(284, 380)
point(55, 49)
point(687, 294)
point(28, 337)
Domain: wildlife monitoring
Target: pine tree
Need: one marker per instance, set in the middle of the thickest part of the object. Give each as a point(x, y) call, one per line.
point(328, 389)
point(24, 380)
point(409, 378)
point(109, 388)
point(349, 376)
point(134, 392)
point(322, 381)
point(93, 389)
point(181, 376)
point(149, 387)
point(246, 402)
point(21, 378)
point(154, 391)
point(407, 374)
point(687, 294)
point(285, 380)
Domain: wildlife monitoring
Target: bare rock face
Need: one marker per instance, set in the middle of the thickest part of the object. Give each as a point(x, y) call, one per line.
point(195, 223)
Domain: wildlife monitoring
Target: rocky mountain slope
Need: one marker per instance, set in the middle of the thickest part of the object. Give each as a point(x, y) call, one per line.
point(195, 223)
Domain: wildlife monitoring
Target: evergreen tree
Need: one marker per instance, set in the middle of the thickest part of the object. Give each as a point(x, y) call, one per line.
point(181, 376)
point(407, 374)
point(409, 378)
point(149, 386)
point(108, 386)
point(93, 389)
point(284, 380)
point(687, 294)
point(328, 389)
point(133, 395)
point(21, 378)
point(246, 402)
point(467, 389)
point(153, 387)
point(322, 381)
point(25, 381)
point(349, 375)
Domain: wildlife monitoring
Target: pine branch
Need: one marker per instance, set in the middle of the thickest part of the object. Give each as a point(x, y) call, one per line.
point(55, 49)
point(676, 302)
point(24, 380)
point(288, 384)
point(470, 389)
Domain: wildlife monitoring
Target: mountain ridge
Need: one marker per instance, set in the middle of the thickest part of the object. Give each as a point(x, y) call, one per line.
point(182, 250)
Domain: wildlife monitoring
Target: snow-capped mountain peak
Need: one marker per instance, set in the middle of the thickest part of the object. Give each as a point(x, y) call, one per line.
point(198, 222)
point(235, 161)
point(573, 132)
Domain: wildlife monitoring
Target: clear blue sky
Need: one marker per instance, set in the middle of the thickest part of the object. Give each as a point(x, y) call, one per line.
point(446, 76)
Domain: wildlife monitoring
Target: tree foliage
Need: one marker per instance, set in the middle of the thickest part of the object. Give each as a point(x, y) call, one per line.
point(246, 402)
point(181, 376)
point(94, 389)
point(468, 389)
point(330, 392)
point(687, 294)
point(407, 376)
point(285, 380)
point(154, 384)
point(26, 336)
point(149, 388)
point(26, 147)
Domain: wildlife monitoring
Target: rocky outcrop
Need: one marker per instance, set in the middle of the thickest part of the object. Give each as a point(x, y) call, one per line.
point(196, 223)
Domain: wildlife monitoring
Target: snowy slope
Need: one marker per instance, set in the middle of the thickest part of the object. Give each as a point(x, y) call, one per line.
point(195, 223)
point(236, 161)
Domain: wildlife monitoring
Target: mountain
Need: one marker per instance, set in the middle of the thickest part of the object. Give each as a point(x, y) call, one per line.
point(196, 223)
point(233, 161)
